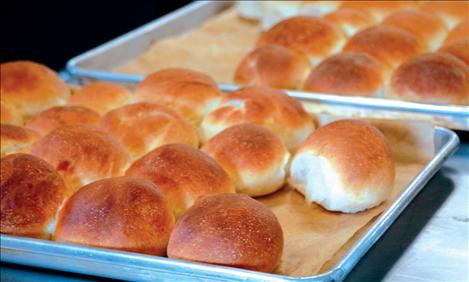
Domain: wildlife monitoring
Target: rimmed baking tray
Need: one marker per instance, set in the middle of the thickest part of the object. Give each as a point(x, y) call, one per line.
point(96, 64)
point(138, 267)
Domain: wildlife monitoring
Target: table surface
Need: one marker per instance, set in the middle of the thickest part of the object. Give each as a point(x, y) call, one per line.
point(428, 242)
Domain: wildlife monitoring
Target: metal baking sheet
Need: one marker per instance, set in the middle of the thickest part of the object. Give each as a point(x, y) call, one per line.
point(97, 63)
point(138, 267)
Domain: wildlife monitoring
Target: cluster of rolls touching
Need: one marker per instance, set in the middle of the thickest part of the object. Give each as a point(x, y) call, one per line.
point(173, 167)
point(415, 51)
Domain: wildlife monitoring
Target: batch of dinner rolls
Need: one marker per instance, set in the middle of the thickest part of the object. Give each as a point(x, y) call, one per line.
point(409, 50)
point(174, 166)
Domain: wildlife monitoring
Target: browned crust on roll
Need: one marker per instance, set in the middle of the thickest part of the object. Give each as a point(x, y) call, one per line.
point(141, 127)
point(101, 96)
point(30, 87)
point(82, 154)
point(311, 35)
point(231, 230)
point(379, 9)
point(183, 174)
point(58, 116)
point(16, 139)
point(427, 27)
point(9, 115)
point(358, 151)
point(31, 193)
point(448, 10)
point(458, 48)
point(122, 213)
point(186, 91)
point(431, 78)
point(273, 65)
point(388, 44)
point(351, 74)
point(461, 31)
point(349, 17)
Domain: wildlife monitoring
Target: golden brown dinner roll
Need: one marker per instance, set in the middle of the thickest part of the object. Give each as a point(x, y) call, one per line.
point(344, 166)
point(122, 213)
point(9, 115)
point(451, 12)
point(48, 120)
point(431, 78)
point(101, 96)
point(191, 93)
point(315, 37)
point(253, 156)
point(355, 74)
point(183, 174)
point(350, 20)
point(428, 28)
point(30, 87)
point(31, 193)
point(379, 9)
point(82, 154)
point(16, 139)
point(230, 230)
point(458, 32)
point(264, 106)
point(273, 65)
point(459, 49)
point(390, 45)
point(141, 127)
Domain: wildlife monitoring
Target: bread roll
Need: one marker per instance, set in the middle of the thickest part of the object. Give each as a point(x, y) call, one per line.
point(253, 156)
point(30, 88)
point(9, 115)
point(314, 36)
point(379, 9)
point(48, 120)
point(183, 174)
point(273, 65)
point(344, 166)
point(354, 74)
point(142, 127)
point(350, 20)
point(230, 230)
point(451, 12)
point(122, 213)
point(459, 49)
point(431, 78)
point(428, 28)
point(101, 96)
point(458, 32)
point(82, 154)
point(191, 93)
point(16, 139)
point(390, 45)
point(263, 106)
point(31, 193)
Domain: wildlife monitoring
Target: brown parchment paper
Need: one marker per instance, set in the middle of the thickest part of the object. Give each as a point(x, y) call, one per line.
point(314, 238)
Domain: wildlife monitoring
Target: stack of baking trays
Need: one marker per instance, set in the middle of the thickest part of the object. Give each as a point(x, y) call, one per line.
point(171, 171)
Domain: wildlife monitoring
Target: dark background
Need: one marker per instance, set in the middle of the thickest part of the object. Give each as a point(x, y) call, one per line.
point(51, 32)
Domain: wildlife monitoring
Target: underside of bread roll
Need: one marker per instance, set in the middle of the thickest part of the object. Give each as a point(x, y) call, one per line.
point(142, 127)
point(431, 78)
point(191, 93)
point(344, 166)
point(29, 88)
point(273, 65)
point(31, 193)
point(16, 139)
point(314, 36)
point(253, 156)
point(82, 154)
point(48, 120)
point(264, 106)
point(183, 174)
point(122, 213)
point(350, 73)
point(101, 96)
point(231, 230)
